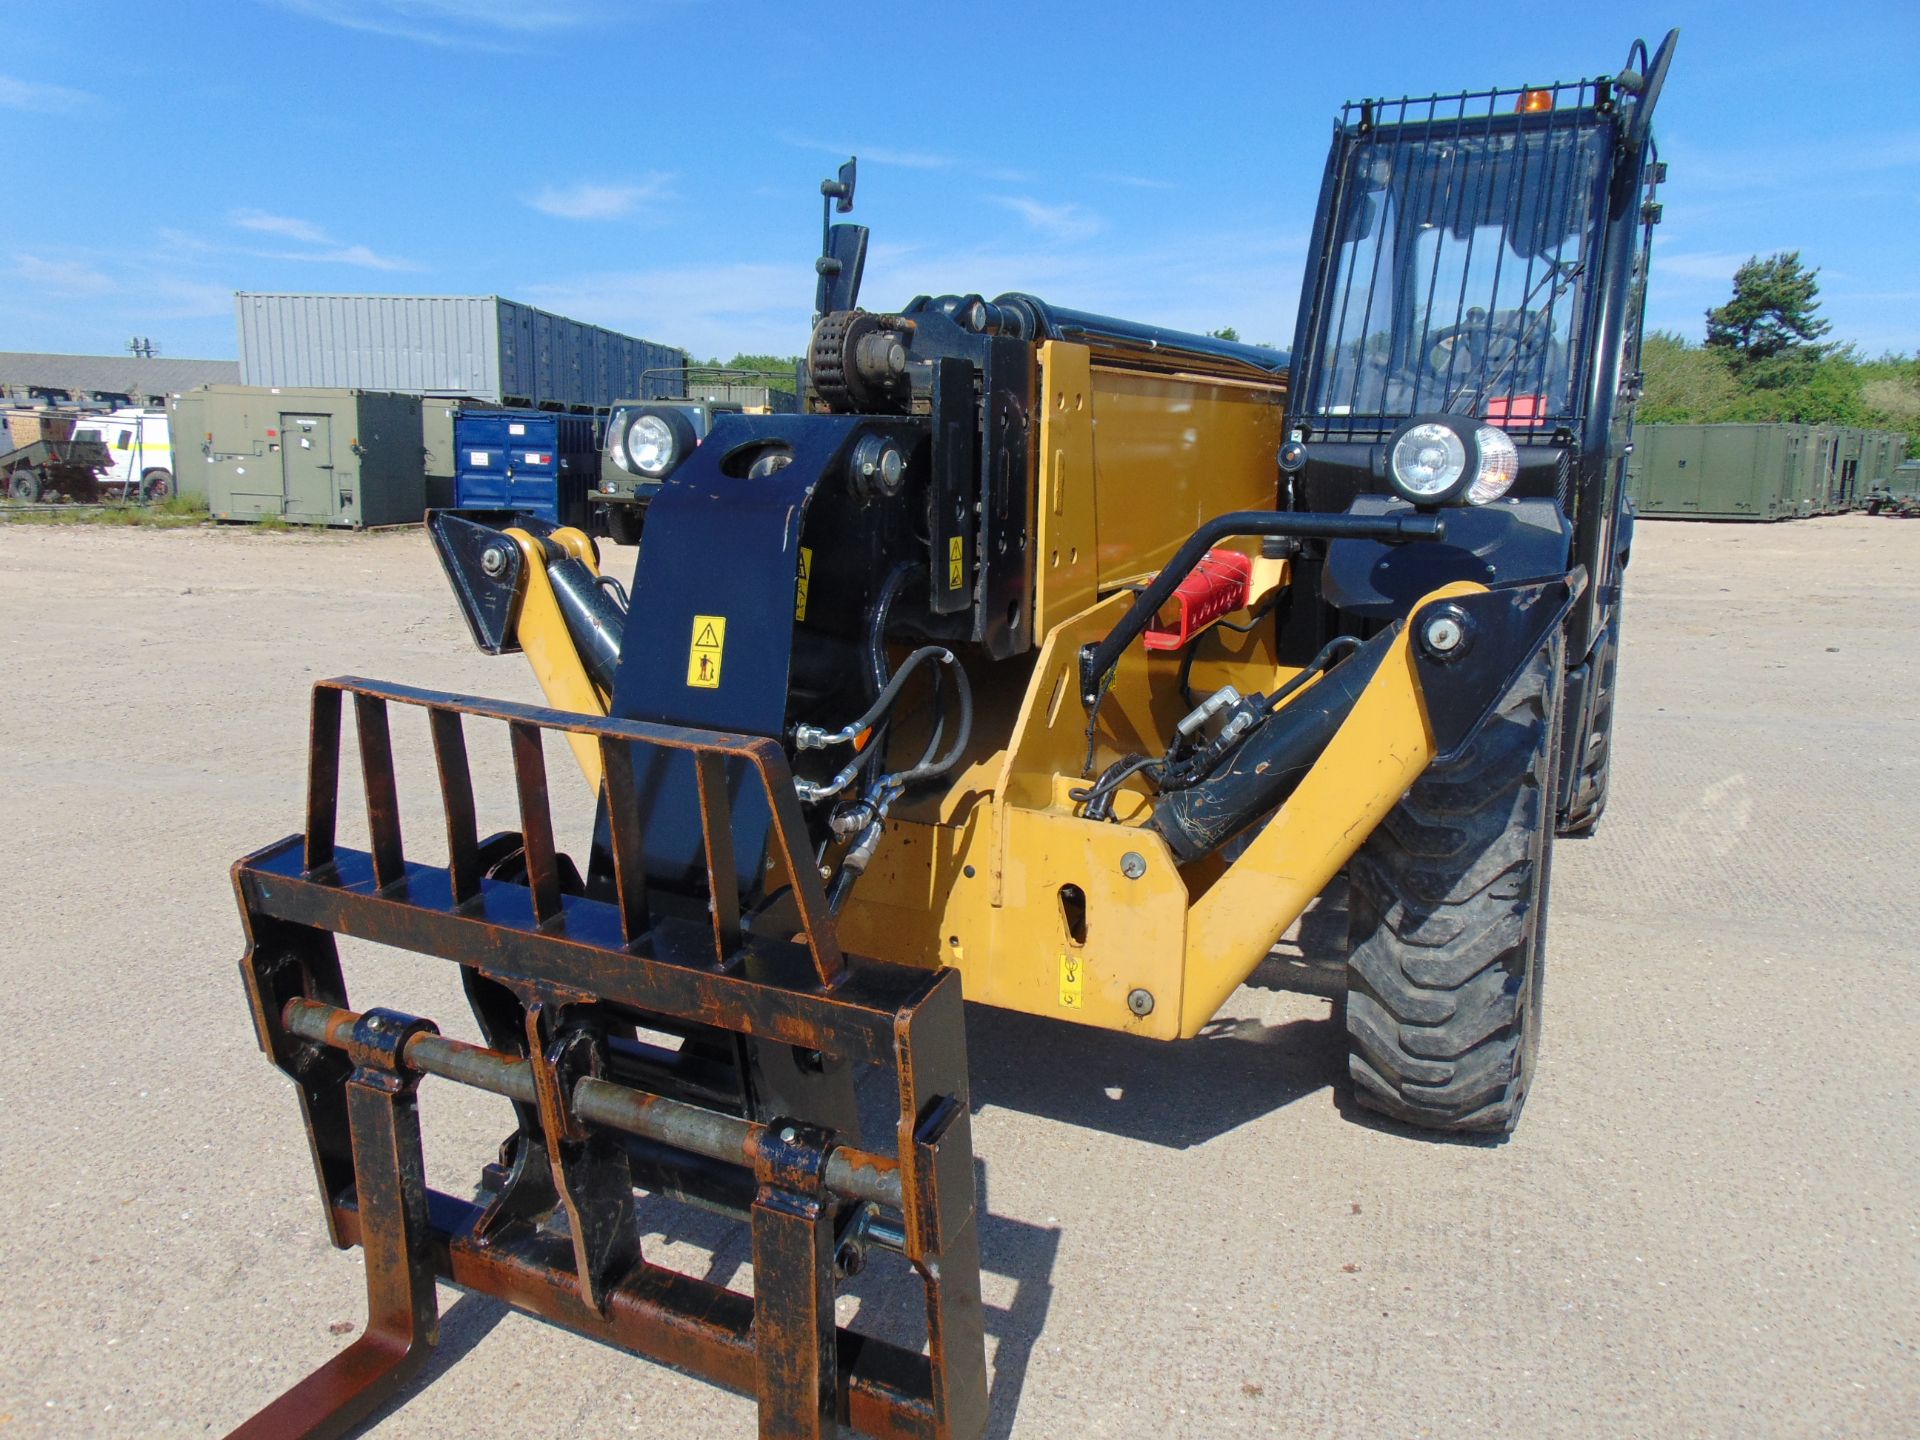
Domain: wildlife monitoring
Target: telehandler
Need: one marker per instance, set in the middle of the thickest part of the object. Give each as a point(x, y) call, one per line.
point(1047, 659)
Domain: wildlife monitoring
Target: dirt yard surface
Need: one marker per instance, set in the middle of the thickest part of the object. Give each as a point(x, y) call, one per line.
point(1706, 1225)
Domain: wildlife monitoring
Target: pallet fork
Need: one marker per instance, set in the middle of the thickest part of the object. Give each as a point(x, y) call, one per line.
point(564, 985)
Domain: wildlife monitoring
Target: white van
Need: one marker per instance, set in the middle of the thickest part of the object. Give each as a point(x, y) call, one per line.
point(140, 444)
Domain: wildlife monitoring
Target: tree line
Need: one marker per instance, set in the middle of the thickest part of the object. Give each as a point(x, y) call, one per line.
point(1766, 359)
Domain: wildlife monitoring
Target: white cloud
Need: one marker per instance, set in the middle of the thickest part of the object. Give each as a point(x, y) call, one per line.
point(587, 201)
point(357, 255)
point(471, 24)
point(40, 96)
point(1138, 182)
point(285, 225)
point(1066, 223)
point(62, 277)
point(873, 154)
point(334, 252)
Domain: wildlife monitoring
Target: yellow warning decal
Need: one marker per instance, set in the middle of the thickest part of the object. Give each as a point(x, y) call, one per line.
point(956, 568)
point(1073, 976)
point(800, 586)
point(703, 656)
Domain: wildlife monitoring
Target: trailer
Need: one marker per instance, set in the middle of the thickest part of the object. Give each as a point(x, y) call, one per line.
point(55, 470)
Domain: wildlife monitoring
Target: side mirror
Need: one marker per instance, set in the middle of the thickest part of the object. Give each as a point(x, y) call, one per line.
point(843, 248)
point(840, 266)
point(840, 190)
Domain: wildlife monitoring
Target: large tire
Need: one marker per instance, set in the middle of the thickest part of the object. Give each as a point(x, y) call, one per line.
point(1448, 921)
point(623, 524)
point(26, 485)
point(156, 485)
point(1589, 800)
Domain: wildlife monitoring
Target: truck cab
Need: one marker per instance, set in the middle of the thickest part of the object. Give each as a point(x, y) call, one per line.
point(647, 439)
point(140, 444)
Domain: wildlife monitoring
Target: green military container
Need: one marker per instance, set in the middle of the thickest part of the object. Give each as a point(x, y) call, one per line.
point(187, 427)
point(1850, 453)
point(436, 440)
point(1885, 450)
point(1816, 475)
point(1723, 472)
point(334, 457)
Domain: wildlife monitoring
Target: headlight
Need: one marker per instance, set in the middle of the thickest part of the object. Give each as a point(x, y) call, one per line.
point(650, 446)
point(1428, 461)
point(1450, 460)
point(1499, 465)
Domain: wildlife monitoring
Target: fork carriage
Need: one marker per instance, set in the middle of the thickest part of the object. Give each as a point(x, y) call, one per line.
point(565, 986)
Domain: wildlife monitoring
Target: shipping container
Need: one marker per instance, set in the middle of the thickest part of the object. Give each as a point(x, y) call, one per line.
point(187, 416)
point(439, 454)
point(494, 350)
point(530, 460)
point(312, 455)
point(1849, 452)
point(1728, 472)
point(1885, 450)
point(1816, 475)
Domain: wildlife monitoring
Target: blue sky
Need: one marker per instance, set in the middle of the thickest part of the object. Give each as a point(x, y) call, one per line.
point(651, 166)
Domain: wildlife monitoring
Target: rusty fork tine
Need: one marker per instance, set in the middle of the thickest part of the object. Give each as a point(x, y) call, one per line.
point(789, 830)
point(456, 795)
point(723, 880)
point(536, 820)
point(383, 797)
point(332, 1400)
point(623, 825)
point(390, 1192)
point(323, 777)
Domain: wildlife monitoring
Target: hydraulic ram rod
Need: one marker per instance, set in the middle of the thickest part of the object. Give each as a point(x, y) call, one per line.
point(856, 1174)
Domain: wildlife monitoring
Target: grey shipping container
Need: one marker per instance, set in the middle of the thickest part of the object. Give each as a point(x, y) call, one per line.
point(494, 350)
point(312, 455)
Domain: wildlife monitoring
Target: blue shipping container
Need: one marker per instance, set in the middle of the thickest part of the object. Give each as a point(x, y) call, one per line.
point(531, 460)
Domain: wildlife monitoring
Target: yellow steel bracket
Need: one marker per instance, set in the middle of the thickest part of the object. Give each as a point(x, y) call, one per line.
point(1381, 749)
point(548, 645)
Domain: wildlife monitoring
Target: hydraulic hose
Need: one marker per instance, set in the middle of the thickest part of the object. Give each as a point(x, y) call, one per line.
point(813, 737)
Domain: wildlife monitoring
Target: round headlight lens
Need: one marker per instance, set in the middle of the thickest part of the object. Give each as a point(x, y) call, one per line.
point(650, 445)
point(1499, 465)
point(1428, 461)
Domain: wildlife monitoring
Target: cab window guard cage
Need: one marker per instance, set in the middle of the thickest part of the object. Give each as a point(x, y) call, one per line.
point(1457, 254)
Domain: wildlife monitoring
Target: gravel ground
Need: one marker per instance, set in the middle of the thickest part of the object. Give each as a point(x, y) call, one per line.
point(1705, 1226)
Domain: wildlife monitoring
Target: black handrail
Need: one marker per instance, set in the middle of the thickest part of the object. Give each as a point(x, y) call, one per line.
point(1097, 660)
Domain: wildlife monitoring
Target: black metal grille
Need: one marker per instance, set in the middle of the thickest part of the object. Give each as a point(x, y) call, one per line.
point(1458, 258)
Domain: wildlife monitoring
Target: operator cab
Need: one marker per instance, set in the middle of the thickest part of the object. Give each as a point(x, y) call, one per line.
point(1459, 341)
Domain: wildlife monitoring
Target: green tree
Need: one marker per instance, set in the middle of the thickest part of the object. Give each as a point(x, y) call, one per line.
point(1685, 384)
point(1225, 332)
point(1770, 316)
point(778, 366)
